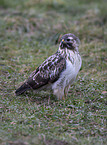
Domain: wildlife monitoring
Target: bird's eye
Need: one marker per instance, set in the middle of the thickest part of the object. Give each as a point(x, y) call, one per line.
point(68, 39)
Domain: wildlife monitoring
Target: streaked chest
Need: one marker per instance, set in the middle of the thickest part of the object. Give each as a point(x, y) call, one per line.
point(73, 64)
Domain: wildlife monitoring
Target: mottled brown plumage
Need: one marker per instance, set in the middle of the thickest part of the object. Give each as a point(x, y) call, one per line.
point(58, 71)
point(48, 72)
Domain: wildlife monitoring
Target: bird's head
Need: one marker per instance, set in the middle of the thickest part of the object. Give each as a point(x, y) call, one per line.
point(69, 41)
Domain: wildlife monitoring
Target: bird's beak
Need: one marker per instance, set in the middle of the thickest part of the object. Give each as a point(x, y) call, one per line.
point(62, 40)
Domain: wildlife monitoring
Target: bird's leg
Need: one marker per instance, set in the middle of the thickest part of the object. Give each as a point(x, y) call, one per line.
point(59, 93)
point(66, 90)
point(63, 97)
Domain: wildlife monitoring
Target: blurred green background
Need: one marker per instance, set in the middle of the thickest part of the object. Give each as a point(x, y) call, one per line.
point(29, 32)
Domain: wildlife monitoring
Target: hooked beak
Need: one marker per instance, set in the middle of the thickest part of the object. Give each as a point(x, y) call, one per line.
point(62, 40)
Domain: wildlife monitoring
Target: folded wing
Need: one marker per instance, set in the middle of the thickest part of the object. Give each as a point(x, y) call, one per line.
point(48, 72)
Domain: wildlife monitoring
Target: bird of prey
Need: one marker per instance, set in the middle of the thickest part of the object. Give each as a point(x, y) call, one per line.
point(58, 71)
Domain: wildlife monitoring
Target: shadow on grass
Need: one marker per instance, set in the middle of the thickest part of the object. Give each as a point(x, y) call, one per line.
point(39, 98)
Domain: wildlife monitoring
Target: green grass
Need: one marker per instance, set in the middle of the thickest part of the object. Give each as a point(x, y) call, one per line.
point(29, 33)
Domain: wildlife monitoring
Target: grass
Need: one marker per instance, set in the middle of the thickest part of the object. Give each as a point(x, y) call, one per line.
point(29, 33)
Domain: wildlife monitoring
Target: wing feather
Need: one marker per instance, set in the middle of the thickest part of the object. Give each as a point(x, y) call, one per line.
point(48, 72)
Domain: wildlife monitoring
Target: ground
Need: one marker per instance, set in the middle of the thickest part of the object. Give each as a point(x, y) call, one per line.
point(29, 32)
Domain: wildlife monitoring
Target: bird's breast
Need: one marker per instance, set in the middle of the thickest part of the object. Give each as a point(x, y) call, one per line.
point(67, 77)
point(74, 61)
point(73, 64)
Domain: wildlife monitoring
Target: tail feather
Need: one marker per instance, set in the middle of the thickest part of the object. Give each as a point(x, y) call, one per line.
point(22, 89)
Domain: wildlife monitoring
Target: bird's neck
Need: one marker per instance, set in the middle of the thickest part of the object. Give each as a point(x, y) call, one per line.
point(67, 52)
